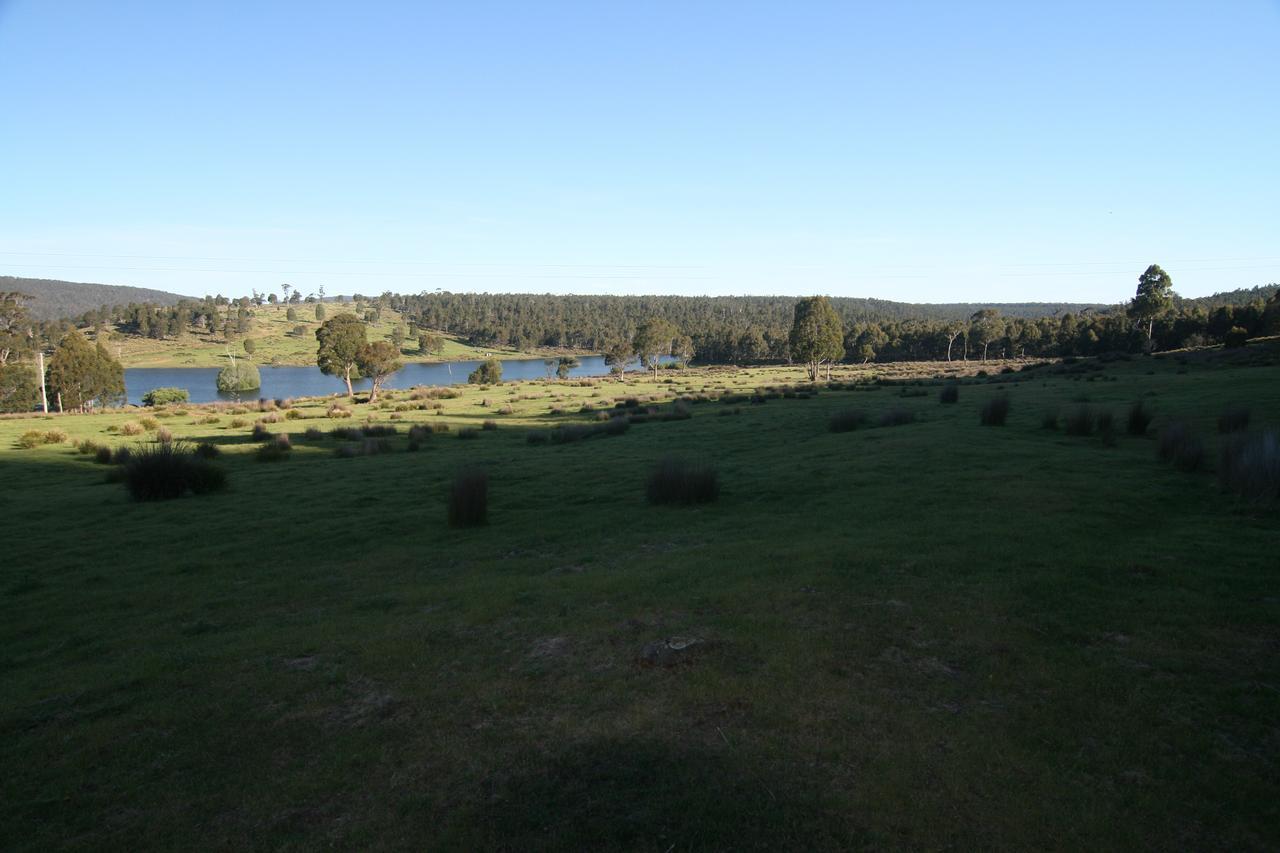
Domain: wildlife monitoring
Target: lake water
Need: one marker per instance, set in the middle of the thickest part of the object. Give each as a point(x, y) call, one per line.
point(298, 381)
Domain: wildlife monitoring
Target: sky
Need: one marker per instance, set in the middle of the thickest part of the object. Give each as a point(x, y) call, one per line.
point(917, 151)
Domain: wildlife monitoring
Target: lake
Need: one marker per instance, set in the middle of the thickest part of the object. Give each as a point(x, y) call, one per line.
point(301, 381)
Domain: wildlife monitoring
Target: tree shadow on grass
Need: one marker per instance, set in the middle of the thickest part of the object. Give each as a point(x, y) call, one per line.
point(617, 794)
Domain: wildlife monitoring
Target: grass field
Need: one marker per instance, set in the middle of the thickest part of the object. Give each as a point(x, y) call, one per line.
point(932, 635)
point(271, 331)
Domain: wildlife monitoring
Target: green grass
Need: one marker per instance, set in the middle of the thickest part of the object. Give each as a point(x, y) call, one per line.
point(275, 343)
point(930, 635)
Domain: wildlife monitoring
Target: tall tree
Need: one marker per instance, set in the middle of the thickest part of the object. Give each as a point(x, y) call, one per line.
point(817, 336)
point(81, 375)
point(15, 326)
point(652, 341)
point(564, 365)
point(378, 360)
point(617, 354)
point(340, 341)
point(1153, 298)
point(985, 327)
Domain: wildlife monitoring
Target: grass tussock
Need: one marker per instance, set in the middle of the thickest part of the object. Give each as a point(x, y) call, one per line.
point(469, 498)
point(131, 428)
point(896, 416)
point(167, 471)
point(1180, 446)
point(1081, 421)
point(994, 412)
point(1138, 420)
point(950, 393)
point(676, 481)
point(846, 420)
point(1250, 466)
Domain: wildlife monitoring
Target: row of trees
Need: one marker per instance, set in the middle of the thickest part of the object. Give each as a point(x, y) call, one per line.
point(77, 376)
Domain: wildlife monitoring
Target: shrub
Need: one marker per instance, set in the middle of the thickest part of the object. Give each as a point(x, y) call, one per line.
point(164, 396)
point(235, 423)
point(160, 472)
point(1250, 466)
point(488, 373)
point(164, 435)
point(846, 420)
point(1235, 337)
point(1234, 419)
point(270, 418)
point(149, 423)
point(293, 415)
point(1080, 421)
point(897, 417)
point(260, 432)
point(335, 411)
point(676, 481)
point(131, 428)
point(207, 419)
point(102, 456)
point(378, 430)
point(1138, 421)
point(1180, 446)
point(995, 411)
point(489, 425)
point(54, 436)
point(950, 393)
point(239, 376)
point(469, 498)
point(468, 432)
point(276, 449)
point(616, 426)
point(313, 434)
point(507, 410)
point(31, 438)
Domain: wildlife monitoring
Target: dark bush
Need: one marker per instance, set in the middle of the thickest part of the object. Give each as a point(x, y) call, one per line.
point(1234, 419)
point(1049, 420)
point(1180, 446)
point(675, 481)
point(377, 430)
point(489, 425)
point(896, 417)
point(469, 498)
point(276, 449)
point(995, 411)
point(1139, 420)
point(950, 393)
point(538, 437)
point(846, 420)
point(164, 396)
point(616, 426)
point(1235, 337)
point(313, 434)
point(260, 432)
point(468, 433)
point(102, 456)
point(1250, 466)
point(420, 433)
point(1107, 428)
point(166, 471)
point(1080, 421)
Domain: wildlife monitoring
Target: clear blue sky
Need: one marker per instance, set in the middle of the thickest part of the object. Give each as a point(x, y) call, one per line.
point(904, 150)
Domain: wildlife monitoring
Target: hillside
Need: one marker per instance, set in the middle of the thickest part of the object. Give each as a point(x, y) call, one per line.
point(53, 300)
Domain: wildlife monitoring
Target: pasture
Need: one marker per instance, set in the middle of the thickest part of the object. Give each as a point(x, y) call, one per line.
point(927, 633)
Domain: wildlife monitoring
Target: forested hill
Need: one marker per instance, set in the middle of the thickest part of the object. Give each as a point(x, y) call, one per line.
point(55, 300)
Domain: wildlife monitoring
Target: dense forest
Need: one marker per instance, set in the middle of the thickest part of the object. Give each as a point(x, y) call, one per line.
point(55, 300)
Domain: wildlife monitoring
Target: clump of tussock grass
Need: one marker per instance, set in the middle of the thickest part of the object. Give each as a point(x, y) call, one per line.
point(260, 432)
point(149, 423)
point(1180, 446)
point(102, 455)
point(676, 481)
point(846, 420)
point(420, 432)
point(131, 428)
point(1049, 420)
point(34, 438)
point(167, 471)
point(1080, 421)
point(164, 436)
point(336, 412)
point(1249, 466)
point(378, 430)
point(236, 423)
point(994, 412)
point(313, 434)
point(275, 450)
point(507, 410)
point(537, 437)
point(1138, 420)
point(1107, 427)
point(468, 433)
point(896, 417)
point(294, 415)
point(271, 418)
point(1234, 419)
point(468, 504)
point(489, 425)
point(205, 420)
point(205, 450)
point(950, 393)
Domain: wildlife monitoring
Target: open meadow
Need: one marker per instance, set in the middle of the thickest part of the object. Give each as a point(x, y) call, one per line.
point(893, 626)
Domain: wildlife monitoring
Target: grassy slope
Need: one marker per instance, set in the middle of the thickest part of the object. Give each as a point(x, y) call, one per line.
point(274, 343)
point(931, 635)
